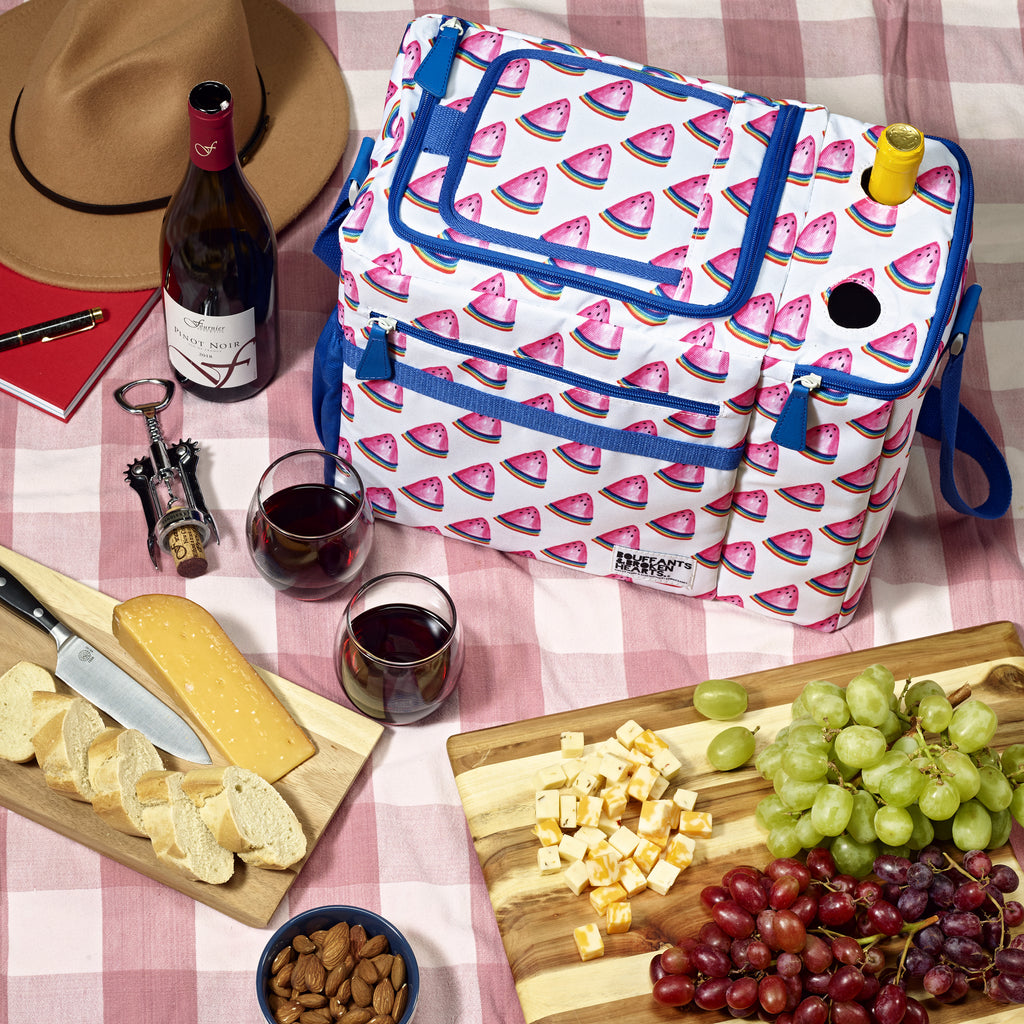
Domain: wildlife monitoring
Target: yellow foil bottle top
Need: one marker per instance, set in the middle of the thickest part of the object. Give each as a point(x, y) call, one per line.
point(897, 159)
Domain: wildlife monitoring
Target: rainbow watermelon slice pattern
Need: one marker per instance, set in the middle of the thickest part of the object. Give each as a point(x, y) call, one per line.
point(794, 546)
point(740, 558)
point(427, 493)
point(382, 501)
point(806, 496)
point(653, 146)
point(487, 145)
point(598, 338)
point(381, 449)
point(687, 195)
point(836, 161)
point(525, 192)
point(478, 49)
point(522, 520)
point(477, 530)
point(513, 79)
point(529, 468)
point(676, 525)
point(588, 168)
point(631, 217)
point(429, 438)
point(630, 492)
point(916, 271)
point(584, 457)
point(577, 508)
point(622, 537)
point(752, 505)
point(833, 584)
point(573, 554)
point(896, 349)
point(780, 600)
point(548, 122)
point(612, 100)
point(475, 480)
point(937, 188)
point(789, 328)
point(480, 427)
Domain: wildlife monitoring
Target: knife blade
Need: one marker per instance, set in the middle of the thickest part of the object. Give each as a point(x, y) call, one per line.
point(94, 676)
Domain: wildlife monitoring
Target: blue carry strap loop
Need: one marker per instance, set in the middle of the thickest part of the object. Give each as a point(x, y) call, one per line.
point(944, 419)
point(327, 246)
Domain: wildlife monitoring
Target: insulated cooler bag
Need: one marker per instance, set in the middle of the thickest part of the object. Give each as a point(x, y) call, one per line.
point(613, 317)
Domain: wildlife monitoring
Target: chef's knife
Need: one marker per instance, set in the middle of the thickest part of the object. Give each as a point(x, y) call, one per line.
point(101, 682)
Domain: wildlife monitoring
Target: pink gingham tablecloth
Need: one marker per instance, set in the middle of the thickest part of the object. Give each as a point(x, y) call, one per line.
point(83, 939)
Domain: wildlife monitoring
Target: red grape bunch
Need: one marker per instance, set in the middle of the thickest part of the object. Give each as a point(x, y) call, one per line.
point(803, 943)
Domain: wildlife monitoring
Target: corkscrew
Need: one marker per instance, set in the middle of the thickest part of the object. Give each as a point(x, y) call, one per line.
point(179, 521)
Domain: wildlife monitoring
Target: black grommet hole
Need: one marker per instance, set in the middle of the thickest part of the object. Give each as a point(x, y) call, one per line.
point(852, 305)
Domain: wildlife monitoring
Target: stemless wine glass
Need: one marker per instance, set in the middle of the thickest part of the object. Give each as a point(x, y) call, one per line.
point(310, 524)
point(399, 652)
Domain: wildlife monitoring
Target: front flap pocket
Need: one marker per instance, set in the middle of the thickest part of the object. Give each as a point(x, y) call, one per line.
point(627, 182)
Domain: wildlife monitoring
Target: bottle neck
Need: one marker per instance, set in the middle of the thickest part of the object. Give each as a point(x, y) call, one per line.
point(211, 128)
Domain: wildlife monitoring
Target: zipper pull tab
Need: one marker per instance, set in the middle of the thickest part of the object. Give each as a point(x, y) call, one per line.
point(432, 74)
point(375, 362)
point(791, 426)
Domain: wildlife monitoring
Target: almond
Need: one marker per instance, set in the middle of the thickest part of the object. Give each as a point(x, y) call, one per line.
point(357, 936)
point(312, 1000)
point(340, 933)
point(383, 964)
point(401, 1000)
point(368, 972)
point(303, 944)
point(315, 974)
point(333, 982)
point(282, 958)
point(288, 1013)
point(344, 992)
point(373, 947)
point(362, 993)
point(398, 972)
point(384, 997)
point(382, 1018)
point(315, 1017)
point(359, 1015)
point(333, 951)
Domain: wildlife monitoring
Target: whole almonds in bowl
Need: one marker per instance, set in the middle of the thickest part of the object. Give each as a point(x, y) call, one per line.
point(338, 965)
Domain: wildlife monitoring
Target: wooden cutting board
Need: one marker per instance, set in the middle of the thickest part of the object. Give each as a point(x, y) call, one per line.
point(314, 789)
point(494, 770)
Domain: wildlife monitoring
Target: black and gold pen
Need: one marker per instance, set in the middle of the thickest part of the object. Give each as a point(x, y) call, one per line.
point(59, 328)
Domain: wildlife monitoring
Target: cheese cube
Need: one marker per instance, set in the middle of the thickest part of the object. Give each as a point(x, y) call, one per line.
point(618, 918)
point(548, 832)
point(624, 839)
point(601, 872)
point(685, 798)
point(640, 784)
point(635, 758)
point(572, 848)
point(627, 733)
point(572, 767)
point(585, 783)
point(695, 823)
point(631, 878)
point(680, 850)
point(546, 804)
point(646, 855)
point(616, 800)
point(614, 747)
point(588, 811)
point(662, 877)
point(550, 777)
point(666, 762)
point(648, 743)
point(609, 826)
point(656, 820)
point(588, 940)
point(592, 764)
point(571, 744)
point(590, 835)
point(575, 876)
point(614, 769)
point(548, 860)
point(658, 787)
point(567, 811)
point(602, 898)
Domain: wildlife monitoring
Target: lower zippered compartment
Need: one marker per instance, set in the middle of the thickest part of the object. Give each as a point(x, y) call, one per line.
point(463, 460)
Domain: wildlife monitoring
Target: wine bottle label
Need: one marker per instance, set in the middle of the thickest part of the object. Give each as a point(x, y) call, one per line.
point(215, 351)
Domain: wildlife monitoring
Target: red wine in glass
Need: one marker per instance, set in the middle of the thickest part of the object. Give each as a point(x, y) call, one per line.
point(309, 539)
point(398, 661)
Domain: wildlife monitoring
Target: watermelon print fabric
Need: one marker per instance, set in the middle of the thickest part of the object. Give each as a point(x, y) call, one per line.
point(637, 324)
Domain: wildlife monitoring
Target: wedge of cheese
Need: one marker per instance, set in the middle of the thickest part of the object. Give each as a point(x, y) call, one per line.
point(183, 647)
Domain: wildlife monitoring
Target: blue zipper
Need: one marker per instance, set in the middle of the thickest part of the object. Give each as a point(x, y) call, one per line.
point(791, 427)
point(376, 359)
point(761, 220)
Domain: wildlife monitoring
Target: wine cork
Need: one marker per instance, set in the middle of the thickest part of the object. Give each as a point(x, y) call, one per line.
point(186, 546)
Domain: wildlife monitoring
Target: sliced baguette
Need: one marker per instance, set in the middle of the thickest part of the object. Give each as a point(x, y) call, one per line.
point(63, 728)
point(178, 834)
point(117, 759)
point(16, 686)
point(247, 815)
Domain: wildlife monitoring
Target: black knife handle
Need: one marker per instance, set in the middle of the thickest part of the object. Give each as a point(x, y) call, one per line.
point(20, 599)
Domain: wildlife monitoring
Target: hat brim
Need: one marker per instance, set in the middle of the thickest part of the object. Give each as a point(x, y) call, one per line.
point(307, 104)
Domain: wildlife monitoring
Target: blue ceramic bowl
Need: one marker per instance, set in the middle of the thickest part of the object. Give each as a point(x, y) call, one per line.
point(326, 917)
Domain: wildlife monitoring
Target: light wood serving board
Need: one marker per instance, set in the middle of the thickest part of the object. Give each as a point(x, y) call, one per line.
point(494, 770)
point(314, 789)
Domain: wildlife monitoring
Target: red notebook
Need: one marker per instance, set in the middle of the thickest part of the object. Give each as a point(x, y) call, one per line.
point(56, 375)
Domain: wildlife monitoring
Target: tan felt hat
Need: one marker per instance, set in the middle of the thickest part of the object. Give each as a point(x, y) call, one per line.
point(94, 96)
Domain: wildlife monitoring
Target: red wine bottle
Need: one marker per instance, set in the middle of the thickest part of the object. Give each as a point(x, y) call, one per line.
point(218, 260)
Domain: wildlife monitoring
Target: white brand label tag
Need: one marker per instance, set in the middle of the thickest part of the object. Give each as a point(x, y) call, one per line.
point(653, 565)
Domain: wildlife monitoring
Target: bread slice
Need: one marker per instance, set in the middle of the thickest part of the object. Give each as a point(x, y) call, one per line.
point(117, 758)
point(16, 686)
point(63, 728)
point(247, 815)
point(178, 834)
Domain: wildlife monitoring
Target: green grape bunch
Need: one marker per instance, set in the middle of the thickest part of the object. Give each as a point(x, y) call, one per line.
point(870, 769)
